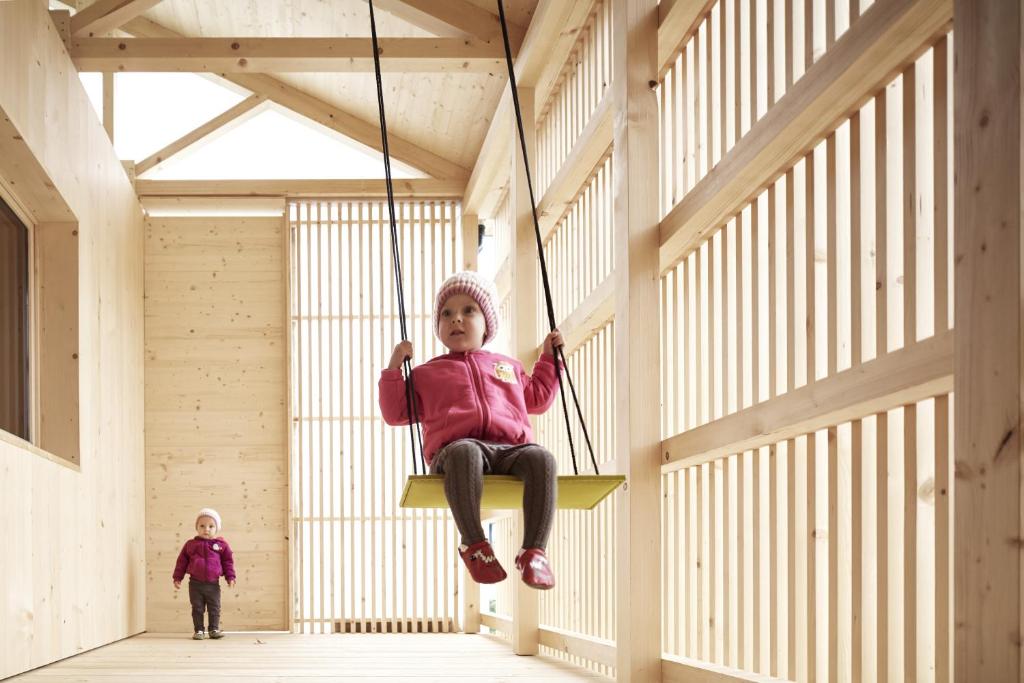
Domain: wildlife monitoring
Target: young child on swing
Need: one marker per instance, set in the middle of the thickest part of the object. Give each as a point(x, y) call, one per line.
point(473, 407)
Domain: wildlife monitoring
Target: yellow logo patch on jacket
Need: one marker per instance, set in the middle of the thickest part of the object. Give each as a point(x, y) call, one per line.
point(505, 372)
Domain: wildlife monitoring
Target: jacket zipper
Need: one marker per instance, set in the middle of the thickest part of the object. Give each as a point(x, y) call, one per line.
point(485, 417)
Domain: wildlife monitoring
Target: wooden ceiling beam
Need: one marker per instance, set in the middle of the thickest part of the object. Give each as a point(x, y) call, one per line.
point(281, 55)
point(324, 113)
point(104, 16)
point(452, 18)
point(359, 187)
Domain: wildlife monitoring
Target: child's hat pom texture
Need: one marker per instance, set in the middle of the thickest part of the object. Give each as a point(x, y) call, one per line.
point(480, 289)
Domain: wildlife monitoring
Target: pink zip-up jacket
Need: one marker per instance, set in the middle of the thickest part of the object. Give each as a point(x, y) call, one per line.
point(478, 394)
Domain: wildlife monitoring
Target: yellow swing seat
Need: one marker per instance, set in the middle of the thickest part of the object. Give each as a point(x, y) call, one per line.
point(505, 492)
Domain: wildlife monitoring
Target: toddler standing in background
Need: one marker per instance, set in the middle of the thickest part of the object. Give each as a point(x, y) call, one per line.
point(205, 559)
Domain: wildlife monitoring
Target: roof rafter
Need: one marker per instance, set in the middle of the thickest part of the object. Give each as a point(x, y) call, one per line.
point(103, 16)
point(329, 115)
point(232, 116)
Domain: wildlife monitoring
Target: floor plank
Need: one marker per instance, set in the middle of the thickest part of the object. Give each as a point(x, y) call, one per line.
point(281, 658)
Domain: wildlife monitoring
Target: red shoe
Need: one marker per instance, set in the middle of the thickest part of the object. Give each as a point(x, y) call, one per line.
point(483, 566)
point(535, 568)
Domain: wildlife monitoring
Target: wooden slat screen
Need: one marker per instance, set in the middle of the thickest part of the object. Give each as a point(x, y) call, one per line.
point(359, 562)
point(795, 558)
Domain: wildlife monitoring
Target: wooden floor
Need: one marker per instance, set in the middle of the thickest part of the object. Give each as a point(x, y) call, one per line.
point(263, 658)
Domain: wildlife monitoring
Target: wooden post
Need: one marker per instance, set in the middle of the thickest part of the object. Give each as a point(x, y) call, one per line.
point(637, 357)
point(525, 603)
point(470, 237)
point(108, 104)
point(470, 588)
point(987, 498)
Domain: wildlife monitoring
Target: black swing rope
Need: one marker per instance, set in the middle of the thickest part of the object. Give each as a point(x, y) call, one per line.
point(415, 437)
point(560, 361)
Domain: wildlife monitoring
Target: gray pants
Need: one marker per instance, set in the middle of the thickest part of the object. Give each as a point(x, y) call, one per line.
point(204, 596)
point(463, 464)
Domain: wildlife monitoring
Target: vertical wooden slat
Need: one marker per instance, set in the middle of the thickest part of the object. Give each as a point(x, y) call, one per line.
point(830, 23)
point(757, 560)
point(723, 78)
point(856, 281)
point(856, 548)
point(333, 418)
point(308, 413)
point(831, 261)
point(755, 301)
point(943, 544)
point(737, 77)
point(881, 229)
point(770, 53)
point(808, 30)
point(812, 562)
point(788, 31)
point(693, 625)
point(910, 542)
point(741, 326)
point(725, 622)
point(711, 336)
point(792, 331)
point(772, 312)
point(742, 555)
point(297, 415)
point(909, 204)
point(321, 318)
point(772, 578)
point(833, 553)
point(940, 165)
point(701, 563)
point(790, 669)
point(810, 268)
point(882, 545)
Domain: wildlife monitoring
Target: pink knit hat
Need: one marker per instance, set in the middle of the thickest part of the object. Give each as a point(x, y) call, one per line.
point(480, 289)
point(212, 514)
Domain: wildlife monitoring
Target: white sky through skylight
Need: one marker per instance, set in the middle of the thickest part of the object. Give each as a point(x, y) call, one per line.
point(152, 110)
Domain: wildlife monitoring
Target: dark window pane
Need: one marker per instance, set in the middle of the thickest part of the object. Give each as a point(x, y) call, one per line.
point(14, 414)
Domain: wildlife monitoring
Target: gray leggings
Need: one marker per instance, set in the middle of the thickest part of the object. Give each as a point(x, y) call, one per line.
point(463, 464)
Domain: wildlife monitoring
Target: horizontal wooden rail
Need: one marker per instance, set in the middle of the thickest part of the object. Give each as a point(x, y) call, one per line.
point(589, 317)
point(595, 649)
point(590, 149)
point(887, 37)
point(358, 188)
point(899, 378)
point(676, 26)
point(277, 55)
point(498, 623)
point(681, 670)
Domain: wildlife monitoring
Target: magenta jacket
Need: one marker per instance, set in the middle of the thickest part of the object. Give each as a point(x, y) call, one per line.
point(205, 559)
point(479, 394)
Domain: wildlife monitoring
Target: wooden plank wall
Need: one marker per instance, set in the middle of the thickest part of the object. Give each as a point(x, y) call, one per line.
point(215, 410)
point(807, 526)
point(360, 563)
point(73, 575)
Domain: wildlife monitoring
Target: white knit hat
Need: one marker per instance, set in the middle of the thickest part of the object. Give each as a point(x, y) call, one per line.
point(480, 289)
point(209, 512)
